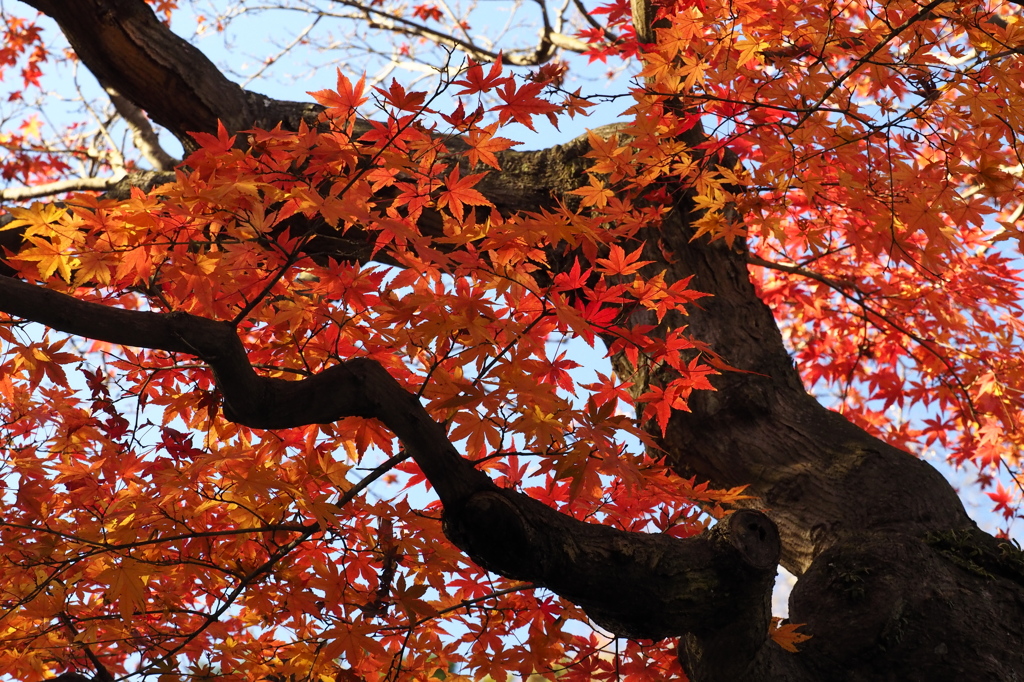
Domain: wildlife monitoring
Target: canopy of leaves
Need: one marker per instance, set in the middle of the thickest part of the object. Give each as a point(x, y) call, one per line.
point(867, 154)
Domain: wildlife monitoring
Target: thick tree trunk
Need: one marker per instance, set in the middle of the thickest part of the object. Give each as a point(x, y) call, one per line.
point(895, 582)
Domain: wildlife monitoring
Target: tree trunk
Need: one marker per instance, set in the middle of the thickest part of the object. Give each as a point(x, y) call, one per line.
point(895, 581)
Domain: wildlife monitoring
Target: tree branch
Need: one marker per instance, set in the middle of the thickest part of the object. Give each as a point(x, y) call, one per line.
point(633, 584)
point(59, 187)
point(823, 478)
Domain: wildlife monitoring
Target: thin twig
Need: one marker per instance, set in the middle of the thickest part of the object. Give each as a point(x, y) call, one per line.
point(59, 187)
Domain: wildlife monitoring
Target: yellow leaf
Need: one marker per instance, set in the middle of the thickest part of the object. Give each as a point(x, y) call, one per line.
point(126, 585)
point(50, 257)
point(38, 218)
point(750, 51)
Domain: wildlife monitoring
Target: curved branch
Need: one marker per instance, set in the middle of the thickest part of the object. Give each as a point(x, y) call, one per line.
point(633, 584)
point(838, 495)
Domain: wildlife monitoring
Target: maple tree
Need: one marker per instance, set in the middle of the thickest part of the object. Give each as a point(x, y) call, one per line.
point(300, 407)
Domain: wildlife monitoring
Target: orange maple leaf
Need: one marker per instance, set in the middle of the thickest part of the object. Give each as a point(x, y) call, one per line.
point(619, 262)
point(483, 146)
point(522, 104)
point(460, 191)
point(344, 99)
point(475, 82)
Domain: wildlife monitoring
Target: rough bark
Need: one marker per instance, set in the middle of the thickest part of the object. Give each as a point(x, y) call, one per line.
point(895, 581)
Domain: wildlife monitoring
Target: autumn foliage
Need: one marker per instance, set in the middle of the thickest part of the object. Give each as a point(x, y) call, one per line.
point(458, 316)
point(865, 154)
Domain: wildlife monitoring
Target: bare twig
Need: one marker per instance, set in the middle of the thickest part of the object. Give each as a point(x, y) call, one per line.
point(270, 61)
point(538, 55)
point(59, 187)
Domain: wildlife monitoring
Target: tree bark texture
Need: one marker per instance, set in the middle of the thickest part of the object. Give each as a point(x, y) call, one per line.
point(895, 581)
